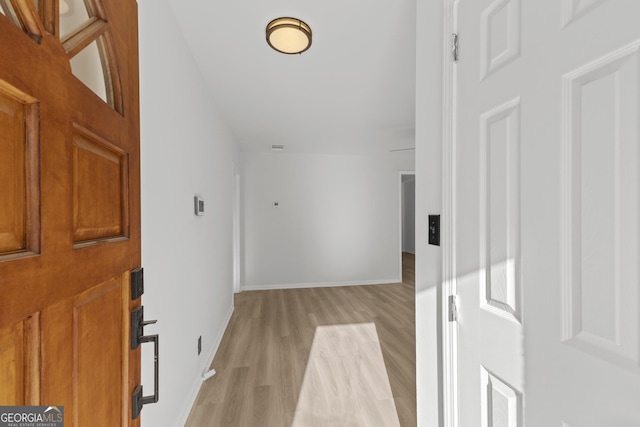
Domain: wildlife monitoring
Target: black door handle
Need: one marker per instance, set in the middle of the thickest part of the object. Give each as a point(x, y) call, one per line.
point(137, 337)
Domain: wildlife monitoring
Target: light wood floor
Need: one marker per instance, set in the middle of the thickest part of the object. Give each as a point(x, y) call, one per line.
point(269, 363)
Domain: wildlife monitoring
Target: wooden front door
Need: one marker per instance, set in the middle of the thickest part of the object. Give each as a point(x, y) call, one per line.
point(69, 206)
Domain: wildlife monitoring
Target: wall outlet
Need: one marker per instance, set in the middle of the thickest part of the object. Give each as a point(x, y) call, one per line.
point(199, 345)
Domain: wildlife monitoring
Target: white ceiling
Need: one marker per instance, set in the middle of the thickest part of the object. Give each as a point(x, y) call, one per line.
point(352, 91)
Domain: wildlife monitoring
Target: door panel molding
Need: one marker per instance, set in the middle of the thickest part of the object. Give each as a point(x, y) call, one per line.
point(499, 36)
point(600, 242)
point(573, 10)
point(501, 403)
point(20, 152)
point(97, 361)
point(98, 165)
point(500, 282)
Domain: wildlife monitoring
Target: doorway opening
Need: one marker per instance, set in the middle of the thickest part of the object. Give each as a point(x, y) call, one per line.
point(407, 217)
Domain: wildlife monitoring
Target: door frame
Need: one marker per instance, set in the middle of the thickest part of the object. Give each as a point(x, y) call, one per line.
point(235, 191)
point(449, 330)
point(434, 195)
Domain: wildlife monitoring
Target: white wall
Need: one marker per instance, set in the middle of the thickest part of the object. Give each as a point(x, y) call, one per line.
point(337, 220)
point(429, 81)
point(409, 214)
point(186, 150)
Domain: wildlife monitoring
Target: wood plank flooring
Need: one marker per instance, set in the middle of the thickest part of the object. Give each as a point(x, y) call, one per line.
point(287, 359)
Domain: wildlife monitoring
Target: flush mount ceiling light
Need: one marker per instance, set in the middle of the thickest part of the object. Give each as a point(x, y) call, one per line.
point(289, 35)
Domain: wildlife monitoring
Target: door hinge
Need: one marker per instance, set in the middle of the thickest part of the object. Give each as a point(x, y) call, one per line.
point(454, 47)
point(453, 309)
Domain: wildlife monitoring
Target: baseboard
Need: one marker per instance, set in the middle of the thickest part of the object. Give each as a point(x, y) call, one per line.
point(197, 383)
point(320, 285)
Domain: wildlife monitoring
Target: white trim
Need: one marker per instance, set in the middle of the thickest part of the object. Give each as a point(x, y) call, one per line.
point(320, 285)
point(449, 331)
point(236, 227)
point(197, 382)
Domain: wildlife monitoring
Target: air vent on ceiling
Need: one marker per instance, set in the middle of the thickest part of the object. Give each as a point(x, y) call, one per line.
point(277, 147)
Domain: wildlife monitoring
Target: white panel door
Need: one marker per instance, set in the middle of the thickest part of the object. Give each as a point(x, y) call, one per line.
point(547, 186)
point(488, 214)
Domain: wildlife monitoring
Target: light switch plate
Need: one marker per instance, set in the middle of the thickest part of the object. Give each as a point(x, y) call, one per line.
point(198, 205)
point(434, 230)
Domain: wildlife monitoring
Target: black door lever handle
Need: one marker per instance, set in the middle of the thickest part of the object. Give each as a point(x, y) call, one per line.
point(137, 337)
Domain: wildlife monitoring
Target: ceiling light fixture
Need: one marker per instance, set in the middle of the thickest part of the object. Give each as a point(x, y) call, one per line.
point(289, 35)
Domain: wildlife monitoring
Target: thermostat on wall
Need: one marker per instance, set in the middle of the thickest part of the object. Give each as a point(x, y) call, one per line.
point(198, 205)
